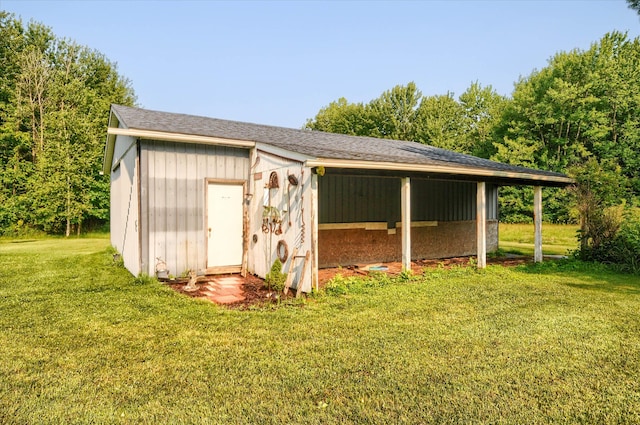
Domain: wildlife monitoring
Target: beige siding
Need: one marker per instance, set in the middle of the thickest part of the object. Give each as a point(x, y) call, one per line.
point(173, 188)
point(294, 203)
point(124, 203)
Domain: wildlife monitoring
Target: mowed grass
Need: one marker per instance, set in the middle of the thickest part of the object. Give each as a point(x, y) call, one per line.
point(557, 239)
point(82, 342)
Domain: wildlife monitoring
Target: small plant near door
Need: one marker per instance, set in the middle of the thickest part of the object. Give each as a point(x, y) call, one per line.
point(275, 278)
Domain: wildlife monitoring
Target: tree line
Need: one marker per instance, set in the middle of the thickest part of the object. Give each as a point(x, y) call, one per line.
point(55, 97)
point(579, 115)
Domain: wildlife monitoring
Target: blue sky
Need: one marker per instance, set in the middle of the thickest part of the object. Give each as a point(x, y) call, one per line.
point(278, 63)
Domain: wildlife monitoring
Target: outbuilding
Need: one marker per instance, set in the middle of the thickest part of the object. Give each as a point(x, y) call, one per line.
point(219, 196)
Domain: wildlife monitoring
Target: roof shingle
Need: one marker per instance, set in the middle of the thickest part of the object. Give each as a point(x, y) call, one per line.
point(315, 144)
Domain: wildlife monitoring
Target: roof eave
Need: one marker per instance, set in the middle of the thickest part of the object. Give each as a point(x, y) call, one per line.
point(541, 179)
point(284, 153)
point(107, 159)
point(178, 137)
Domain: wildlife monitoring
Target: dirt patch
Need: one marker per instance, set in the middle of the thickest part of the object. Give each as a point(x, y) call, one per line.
point(395, 268)
point(255, 293)
point(252, 290)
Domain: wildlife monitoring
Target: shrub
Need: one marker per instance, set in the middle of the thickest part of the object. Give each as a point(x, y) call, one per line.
point(598, 232)
point(625, 247)
point(275, 278)
point(614, 238)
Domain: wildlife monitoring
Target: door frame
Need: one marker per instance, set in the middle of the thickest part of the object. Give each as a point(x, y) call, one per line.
point(245, 226)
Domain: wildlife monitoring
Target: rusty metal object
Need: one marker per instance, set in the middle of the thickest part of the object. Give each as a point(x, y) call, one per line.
point(273, 180)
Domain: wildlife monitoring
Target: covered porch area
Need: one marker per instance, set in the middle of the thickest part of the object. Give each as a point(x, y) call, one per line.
point(386, 216)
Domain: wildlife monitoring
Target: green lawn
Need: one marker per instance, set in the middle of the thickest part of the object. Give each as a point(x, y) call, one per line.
point(557, 239)
point(82, 342)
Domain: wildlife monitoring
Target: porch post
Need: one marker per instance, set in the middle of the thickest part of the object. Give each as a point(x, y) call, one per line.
point(314, 231)
point(405, 199)
point(537, 223)
point(481, 224)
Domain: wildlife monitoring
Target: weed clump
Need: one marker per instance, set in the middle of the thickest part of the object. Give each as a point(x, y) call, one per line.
point(144, 279)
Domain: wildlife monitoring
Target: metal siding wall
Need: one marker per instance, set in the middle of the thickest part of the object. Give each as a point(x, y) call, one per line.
point(492, 202)
point(144, 210)
point(170, 207)
point(352, 199)
point(190, 196)
point(124, 206)
point(115, 203)
point(119, 186)
point(198, 206)
point(296, 222)
point(175, 214)
point(434, 200)
point(349, 199)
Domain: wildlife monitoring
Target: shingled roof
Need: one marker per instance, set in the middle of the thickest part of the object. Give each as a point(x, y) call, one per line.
point(331, 149)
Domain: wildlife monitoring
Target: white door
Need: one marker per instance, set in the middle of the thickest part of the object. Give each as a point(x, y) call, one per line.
point(224, 224)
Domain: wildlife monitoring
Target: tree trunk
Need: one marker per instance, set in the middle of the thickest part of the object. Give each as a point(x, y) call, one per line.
point(68, 208)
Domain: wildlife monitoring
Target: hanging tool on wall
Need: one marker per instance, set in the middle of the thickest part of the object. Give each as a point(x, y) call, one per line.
point(293, 181)
point(273, 180)
point(302, 224)
point(271, 217)
point(271, 220)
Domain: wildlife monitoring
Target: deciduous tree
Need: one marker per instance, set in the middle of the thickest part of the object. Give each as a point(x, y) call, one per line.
point(584, 104)
point(54, 104)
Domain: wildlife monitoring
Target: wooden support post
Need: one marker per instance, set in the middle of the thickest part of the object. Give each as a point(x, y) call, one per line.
point(248, 261)
point(245, 232)
point(481, 224)
point(405, 199)
point(537, 223)
point(314, 231)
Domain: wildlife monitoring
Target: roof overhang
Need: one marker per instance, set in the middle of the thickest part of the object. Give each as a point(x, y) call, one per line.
point(117, 127)
point(107, 160)
point(113, 132)
point(114, 129)
point(467, 173)
point(283, 153)
point(178, 137)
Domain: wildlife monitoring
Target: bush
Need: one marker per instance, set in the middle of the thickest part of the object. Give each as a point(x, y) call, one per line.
point(614, 238)
point(625, 248)
point(275, 279)
point(598, 231)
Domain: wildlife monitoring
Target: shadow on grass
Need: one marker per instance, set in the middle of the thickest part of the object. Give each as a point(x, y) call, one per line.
point(592, 276)
point(618, 288)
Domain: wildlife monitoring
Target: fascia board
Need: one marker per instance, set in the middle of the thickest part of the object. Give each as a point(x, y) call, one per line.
point(110, 143)
point(107, 160)
point(284, 153)
point(442, 169)
point(179, 137)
